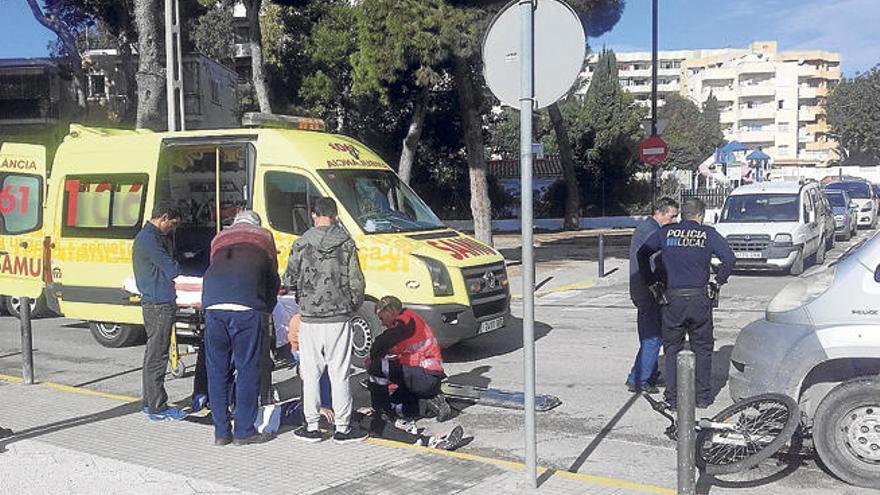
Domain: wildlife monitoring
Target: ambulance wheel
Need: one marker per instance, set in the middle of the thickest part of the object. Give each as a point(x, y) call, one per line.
point(117, 334)
point(38, 307)
point(365, 326)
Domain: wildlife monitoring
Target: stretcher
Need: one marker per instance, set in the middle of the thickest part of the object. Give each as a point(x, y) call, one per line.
point(494, 397)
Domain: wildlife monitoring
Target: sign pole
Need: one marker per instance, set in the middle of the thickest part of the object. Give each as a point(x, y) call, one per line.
point(653, 96)
point(526, 103)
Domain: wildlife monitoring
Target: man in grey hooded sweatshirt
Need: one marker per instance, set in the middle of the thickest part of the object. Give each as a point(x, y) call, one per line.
point(323, 267)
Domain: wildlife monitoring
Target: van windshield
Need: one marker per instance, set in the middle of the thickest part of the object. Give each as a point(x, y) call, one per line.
point(379, 202)
point(855, 189)
point(836, 199)
point(760, 208)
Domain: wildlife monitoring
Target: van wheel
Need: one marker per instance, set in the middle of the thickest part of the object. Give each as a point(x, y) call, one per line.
point(117, 334)
point(38, 307)
point(797, 267)
point(846, 431)
point(365, 326)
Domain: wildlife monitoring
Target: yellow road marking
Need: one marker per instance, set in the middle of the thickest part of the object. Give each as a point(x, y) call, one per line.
point(561, 288)
point(599, 480)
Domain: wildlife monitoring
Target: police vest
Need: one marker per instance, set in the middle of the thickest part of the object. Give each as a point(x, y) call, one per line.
point(421, 350)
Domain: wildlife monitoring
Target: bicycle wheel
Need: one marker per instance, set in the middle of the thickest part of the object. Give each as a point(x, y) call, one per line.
point(761, 425)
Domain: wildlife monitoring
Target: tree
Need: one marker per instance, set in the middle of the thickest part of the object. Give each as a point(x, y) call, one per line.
point(712, 119)
point(689, 135)
point(213, 34)
point(854, 116)
point(151, 74)
point(64, 28)
point(255, 46)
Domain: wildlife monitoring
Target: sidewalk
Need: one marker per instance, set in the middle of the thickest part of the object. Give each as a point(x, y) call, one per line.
point(80, 442)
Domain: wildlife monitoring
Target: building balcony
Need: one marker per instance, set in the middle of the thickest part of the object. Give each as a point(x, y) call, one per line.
point(821, 146)
point(807, 70)
point(721, 93)
point(757, 68)
point(762, 136)
point(829, 73)
point(819, 127)
point(668, 72)
point(728, 117)
point(624, 73)
point(719, 74)
point(757, 90)
point(762, 112)
point(639, 89)
point(807, 114)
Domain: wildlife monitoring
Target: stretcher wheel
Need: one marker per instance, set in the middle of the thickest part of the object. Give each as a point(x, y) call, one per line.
point(179, 370)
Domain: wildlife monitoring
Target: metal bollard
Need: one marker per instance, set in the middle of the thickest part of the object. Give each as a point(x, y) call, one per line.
point(685, 368)
point(27, 341)
point(601, 255)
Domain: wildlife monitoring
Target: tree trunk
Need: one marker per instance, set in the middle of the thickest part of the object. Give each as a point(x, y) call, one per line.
point(261, 88)
point(413, 135)
point(71, 53)
point(151, 75)
point(129, 111)
point(469, 105)
point(572, 191)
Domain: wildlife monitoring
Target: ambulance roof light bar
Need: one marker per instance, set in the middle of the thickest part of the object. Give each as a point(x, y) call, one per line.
point(277, 121)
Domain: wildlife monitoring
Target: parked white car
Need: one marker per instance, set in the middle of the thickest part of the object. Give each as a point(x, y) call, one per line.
point(777, 225)
point(862, 192)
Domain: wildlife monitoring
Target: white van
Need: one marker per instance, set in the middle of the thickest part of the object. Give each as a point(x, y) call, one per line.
point(777, 225)
point(819, 343)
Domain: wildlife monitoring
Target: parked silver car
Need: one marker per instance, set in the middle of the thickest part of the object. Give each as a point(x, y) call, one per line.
point(846, 212)
point(819, 343)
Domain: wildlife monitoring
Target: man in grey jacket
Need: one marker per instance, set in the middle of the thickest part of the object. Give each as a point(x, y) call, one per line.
point(643, 376)
point(325, 270)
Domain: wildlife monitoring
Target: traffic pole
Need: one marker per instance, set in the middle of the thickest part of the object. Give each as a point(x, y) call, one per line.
point(27, 341)
point(601, 255)
point(526, 104)
point(686, 397)
point(653, 96)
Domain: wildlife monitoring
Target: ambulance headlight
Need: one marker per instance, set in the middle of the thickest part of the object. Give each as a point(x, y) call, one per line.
point(440, 280)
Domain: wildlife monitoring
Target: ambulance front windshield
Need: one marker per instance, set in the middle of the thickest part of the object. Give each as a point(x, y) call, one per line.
point(380, 202)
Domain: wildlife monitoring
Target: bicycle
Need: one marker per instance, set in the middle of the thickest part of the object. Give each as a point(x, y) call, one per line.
point(742, 435)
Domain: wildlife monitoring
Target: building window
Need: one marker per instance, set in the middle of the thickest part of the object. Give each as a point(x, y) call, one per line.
point(97, 86)
point(782, 127)
point(780, 104)
point(215, 91)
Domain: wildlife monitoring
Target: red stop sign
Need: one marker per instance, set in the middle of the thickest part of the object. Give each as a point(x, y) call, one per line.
point(652, 151)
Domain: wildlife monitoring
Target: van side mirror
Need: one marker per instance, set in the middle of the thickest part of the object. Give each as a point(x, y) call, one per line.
point(877, 274)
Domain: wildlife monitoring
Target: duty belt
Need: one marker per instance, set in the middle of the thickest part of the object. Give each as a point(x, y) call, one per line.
point(686, 292)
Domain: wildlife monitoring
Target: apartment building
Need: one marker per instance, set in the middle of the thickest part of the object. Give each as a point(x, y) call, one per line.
point(768, 99)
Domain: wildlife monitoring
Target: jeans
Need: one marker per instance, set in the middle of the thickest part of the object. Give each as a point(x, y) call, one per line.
point(233, 338)
point(158, 319)
point(644, 368)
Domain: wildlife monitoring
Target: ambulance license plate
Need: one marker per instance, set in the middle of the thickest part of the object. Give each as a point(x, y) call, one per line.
point(490, 325)
point(749, 254)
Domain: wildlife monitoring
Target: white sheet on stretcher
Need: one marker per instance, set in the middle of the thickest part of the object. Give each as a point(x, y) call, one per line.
point(189, 290)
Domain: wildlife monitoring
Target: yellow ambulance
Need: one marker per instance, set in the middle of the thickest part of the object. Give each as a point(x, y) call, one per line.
point(67, 236)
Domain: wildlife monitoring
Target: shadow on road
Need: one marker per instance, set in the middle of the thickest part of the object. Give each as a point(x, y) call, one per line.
point(502, 341)
point(588, 451)
point(573, 249)
point(37, 431)
point(108, 377)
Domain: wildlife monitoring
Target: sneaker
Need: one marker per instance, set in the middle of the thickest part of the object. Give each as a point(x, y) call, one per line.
point(659, 381)
point(253, 439)
point(199, 401)
point(304, 434)
point(353, 435)
point(447, 441)
point(632, 388)
point(408, 425)
point(439, 407)
point(221, 441)
point(168, 414)
point(649, 389)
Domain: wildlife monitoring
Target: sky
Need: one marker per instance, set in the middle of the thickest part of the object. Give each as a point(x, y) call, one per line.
point(850, 27)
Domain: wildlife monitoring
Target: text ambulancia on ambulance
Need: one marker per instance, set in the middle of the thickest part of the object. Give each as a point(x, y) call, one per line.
point(69, 249)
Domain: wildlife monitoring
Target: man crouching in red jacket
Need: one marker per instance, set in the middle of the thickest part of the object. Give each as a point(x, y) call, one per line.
point(407, 358)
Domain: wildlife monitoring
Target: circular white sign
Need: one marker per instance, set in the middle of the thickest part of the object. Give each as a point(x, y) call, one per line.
point(560, 48)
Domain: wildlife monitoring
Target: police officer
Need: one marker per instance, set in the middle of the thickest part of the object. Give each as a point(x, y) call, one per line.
point(687, 249)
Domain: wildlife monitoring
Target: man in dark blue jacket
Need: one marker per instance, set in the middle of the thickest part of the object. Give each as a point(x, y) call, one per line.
point(239, 291)
point(687, 249)
point(644, 375)
point(154, 272)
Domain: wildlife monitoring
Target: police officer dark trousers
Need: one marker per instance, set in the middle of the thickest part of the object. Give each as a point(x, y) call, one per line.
point(687, 249)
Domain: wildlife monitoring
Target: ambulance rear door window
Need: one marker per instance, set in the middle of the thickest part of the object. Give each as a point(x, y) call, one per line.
point(21, 200)
point(105, 206)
